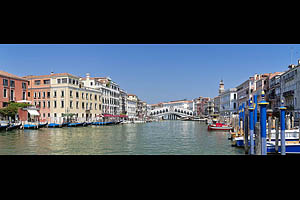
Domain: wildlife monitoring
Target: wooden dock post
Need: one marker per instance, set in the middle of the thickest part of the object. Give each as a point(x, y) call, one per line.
point(257, 139)
point(269, 128)
point(277, 134)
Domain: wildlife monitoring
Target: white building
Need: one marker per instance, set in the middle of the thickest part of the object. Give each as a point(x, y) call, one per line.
point(132, 106)
point(228, 102)
point(110, 92)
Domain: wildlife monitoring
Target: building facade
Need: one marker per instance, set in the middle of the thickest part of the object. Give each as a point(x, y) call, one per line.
point(62, 96)
point(228, 102)
point(12, 88)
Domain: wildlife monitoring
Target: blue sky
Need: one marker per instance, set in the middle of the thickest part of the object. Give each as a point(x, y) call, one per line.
point(155, 73)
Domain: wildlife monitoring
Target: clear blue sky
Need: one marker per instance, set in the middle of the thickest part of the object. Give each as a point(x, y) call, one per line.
point(155, 73)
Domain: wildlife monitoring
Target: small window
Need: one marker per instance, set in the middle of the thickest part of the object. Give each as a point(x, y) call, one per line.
point(28, 94)
point(64, 80)
point(37, 82)
point(12, 83)
point(5, 93)
point(24, 85)
point(47, 82)
point(58, 81)
point(5, 82)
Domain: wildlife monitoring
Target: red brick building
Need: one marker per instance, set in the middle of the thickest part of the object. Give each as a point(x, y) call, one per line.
point(12, 88)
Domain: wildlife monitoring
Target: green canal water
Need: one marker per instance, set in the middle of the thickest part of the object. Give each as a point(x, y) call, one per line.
point(155, 138)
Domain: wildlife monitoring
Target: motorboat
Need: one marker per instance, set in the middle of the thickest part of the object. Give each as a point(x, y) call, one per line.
point(219, 127)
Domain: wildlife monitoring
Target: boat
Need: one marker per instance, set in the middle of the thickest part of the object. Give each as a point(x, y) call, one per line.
point(290, 135)
point(75, 124)
point(43, 125)
point(54, 125)
point(13, 126)
point(88, 123)
point(126, 122)
point(30, 126)
point(219, 127)
point(115, 123)
point(3, 127)
point(291, 147)
point(138, 122)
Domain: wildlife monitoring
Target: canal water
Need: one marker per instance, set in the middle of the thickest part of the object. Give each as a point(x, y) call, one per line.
point(155, 138)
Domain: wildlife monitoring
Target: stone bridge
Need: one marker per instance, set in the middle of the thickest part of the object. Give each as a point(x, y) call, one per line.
point(171, 112)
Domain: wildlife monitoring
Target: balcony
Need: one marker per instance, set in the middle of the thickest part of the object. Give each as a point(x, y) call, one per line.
point(288, 93)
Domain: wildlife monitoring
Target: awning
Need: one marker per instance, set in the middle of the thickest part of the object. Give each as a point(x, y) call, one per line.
point(23, 101)
point(33, 112)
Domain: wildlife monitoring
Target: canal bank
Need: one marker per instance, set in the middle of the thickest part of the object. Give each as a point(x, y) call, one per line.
point(156, 138)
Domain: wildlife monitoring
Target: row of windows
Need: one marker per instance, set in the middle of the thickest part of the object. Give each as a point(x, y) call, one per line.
point(12, 83)
point(12, 94)
point(62, 105)
point(83, 95)
point(76, 115)
point(45, 82)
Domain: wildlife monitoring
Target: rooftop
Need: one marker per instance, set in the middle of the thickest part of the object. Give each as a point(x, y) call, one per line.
point(6, 74)
point(48, 76)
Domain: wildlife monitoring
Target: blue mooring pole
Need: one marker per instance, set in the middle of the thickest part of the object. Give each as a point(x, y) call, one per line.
point(251, 127)
point(282, 127)
point(263, 123)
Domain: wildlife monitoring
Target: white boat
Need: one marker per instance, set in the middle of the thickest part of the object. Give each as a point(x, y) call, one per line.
point(290, 135)
point(139, 122)
point(126, 122)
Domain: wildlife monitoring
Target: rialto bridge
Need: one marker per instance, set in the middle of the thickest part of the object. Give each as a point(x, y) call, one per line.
point(172, 113)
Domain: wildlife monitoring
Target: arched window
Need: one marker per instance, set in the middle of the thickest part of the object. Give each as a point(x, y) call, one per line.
point(175, 110)
point(167, 110)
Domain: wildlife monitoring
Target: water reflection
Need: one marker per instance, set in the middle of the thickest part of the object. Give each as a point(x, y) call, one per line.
point(166, 137)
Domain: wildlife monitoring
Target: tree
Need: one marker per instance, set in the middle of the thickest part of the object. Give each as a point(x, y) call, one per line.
point(12, 109)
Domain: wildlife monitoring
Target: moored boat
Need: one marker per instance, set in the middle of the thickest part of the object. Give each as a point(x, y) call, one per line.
point(13, 126)
point(219, 126)
point(30, 126)
point(3, 127)
point(75, 124)
point(291, 147)
point(43, 125)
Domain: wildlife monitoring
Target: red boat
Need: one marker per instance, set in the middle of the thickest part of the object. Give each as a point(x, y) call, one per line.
point(219, 126)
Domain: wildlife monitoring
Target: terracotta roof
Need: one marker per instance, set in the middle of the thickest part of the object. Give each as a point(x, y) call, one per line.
point(131, 95)
point(6, 74)
point(275, 74)
point(50, 75)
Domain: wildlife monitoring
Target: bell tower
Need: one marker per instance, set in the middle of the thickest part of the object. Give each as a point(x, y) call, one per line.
point(221, 87)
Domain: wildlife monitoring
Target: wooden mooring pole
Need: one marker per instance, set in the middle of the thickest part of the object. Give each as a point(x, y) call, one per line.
point(257, 139)
point(277, 134)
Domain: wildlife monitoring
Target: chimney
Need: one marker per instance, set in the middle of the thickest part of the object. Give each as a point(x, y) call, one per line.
point(291, 66)
point(52, 73)
point(87, 76)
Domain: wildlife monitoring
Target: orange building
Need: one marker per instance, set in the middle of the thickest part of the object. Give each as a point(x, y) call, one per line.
point(39, 94)
point(12, 88)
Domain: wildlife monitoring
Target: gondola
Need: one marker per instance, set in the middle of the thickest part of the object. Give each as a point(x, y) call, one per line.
point(13, 126)
point(2, 128)
point(75, 124)
point(54, 125)
point(30, 126)
point(43, 125)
